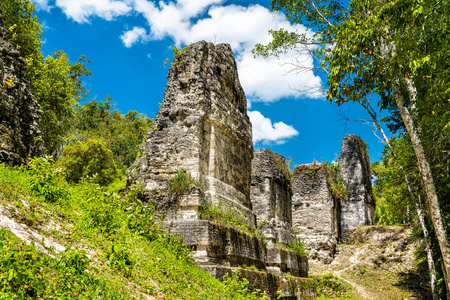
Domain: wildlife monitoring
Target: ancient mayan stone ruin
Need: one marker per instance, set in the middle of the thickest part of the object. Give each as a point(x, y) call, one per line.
point(359, 207)
point(202, 132)
point(20, 132)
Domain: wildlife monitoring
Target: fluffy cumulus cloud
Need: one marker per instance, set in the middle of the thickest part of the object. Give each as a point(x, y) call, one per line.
point(42, 4)
point(266, 132)
point(81, 10)
point(187, 21)
point(130, 37)
point(266, 80)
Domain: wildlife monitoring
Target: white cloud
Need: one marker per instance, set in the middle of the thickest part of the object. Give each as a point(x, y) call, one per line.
point(81, 10)
point(131, 37)
point(42, 4)
point(188, 21)
point(266, 132)
point(266, 80)
point(269, 79)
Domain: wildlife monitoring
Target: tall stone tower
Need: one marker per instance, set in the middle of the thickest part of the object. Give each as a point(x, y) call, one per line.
point(202, 126)
point(202, 130)
point(359, 207)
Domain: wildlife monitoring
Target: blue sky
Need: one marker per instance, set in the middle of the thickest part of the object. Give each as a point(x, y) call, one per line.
point(128, 41)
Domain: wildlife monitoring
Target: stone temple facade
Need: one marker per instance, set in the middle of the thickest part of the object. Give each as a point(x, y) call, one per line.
point(202, 126)
point(315, 211)
point(359, 207)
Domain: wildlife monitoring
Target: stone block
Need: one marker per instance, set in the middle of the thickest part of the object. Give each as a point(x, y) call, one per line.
point(214, 244)
point(270, 195)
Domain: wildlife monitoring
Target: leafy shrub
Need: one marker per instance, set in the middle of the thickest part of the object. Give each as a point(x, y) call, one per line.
point(298, 247)
point(27, 273)
point(119, 259)
point(48, 180)
point(181, 182)
point(89, 159)
point(240, 286)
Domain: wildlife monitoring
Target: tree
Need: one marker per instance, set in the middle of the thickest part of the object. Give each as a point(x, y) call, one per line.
point(122, 134)
point(390, 48)
point(54, 80)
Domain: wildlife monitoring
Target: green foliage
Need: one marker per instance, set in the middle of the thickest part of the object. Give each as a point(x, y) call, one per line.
point(27, 273)
point(48, 180)
point(239, 286)
point(330, 286)
point(56, 84)
point(336, 184)
point(298, 247)
point(130, 253)
point(24, 30)
point(119, 259)
point(54, 80)
point(122, 134)
point(180, 182)
point(226, 216)
point(88, 159)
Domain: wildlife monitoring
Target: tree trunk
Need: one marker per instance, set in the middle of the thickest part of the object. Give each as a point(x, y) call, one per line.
point(432, 200)
point(428, 249)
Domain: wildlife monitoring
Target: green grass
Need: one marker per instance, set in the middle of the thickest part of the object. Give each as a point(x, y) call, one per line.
point(128, 253)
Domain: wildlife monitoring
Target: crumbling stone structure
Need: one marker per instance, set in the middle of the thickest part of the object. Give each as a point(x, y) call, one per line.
point(272, 204)
point(270, 195)
point(315, 212)
point(202, 127)
point(20, 133)
point(359, 207)
point(321, 220)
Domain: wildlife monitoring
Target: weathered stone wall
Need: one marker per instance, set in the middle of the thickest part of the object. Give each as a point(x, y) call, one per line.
point(20, 133)
point(315, 211)
point(359, 207)
point(270, 195)
point(203, 127)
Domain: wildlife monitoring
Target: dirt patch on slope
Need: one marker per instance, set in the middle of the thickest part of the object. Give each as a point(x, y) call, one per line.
point(378, 262)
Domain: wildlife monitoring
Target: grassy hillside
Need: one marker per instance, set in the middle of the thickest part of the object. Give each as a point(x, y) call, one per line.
point(115, 248)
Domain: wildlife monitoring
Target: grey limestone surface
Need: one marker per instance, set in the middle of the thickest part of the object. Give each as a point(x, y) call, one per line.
point(270, 195)
point(315, 211)
point(359, 207)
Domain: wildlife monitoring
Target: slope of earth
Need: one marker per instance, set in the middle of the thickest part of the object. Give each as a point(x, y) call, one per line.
point(378, 262)
point(82, 241)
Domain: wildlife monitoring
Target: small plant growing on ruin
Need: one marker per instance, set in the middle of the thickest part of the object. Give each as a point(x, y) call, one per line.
point(225, 216)
point(337, 186)
point(296, 245)
point(180, 182)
